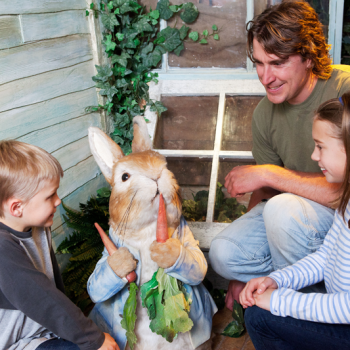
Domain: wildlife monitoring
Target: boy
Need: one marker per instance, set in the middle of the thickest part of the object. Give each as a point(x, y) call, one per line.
point(34, 312)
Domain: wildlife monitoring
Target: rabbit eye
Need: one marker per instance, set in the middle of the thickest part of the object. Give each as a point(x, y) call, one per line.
point(125, 177)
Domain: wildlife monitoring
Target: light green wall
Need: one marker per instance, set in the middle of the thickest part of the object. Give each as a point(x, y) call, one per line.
point(47, 62)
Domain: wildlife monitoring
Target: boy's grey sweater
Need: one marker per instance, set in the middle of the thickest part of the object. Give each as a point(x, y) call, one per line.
point(33, 307)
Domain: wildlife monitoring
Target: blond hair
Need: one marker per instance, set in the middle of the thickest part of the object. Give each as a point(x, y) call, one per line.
point(23, 168)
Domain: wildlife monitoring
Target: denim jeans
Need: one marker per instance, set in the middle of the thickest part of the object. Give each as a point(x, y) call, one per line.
point(273, 235)
point(57, 344)
point(269, 332)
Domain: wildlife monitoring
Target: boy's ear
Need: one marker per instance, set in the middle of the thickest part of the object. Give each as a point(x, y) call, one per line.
point(15, 207)
point(105, 151)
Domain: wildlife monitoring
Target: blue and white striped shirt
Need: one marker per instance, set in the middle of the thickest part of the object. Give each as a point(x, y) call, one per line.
point(330, 263)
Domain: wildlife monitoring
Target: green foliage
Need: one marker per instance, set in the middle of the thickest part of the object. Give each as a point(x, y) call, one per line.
point(167, 305)
point(84, 244)
point(218, 295)
point(129, 315)
point(226, 209)
point(135, 45)
point(235, 328)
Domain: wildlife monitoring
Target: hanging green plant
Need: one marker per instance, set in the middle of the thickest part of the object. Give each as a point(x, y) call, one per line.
point(135, 46)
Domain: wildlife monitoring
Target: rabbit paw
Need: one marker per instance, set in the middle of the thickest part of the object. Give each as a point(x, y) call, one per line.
point(165, 254)
point(122, 262)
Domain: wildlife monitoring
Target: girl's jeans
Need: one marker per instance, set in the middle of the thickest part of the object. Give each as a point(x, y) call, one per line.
point(57, 344)
point(273, 235)
point(269, 332)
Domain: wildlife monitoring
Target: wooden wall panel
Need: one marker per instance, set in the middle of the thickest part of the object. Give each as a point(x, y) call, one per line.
point(45, 86)
point(44, 56)
point(54, 25)
point(80, 195)
point(13, 7)
point(77, 176)
point(10, 32)
point(59, 135)
point(73, 153)
point(21, 121)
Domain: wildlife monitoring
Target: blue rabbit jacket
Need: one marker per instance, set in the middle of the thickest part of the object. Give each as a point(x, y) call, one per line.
point(110, 292)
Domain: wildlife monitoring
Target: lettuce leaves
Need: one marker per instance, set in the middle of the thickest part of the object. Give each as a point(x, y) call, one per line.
point(167, 305)
point(129, 316)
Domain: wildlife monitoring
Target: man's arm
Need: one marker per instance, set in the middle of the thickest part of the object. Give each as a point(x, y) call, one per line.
point(251, 178)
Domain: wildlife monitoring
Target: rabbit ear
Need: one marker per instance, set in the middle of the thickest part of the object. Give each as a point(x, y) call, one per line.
point(141, 141)
point(105, 151)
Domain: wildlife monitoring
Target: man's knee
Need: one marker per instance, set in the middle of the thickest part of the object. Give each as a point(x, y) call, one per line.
point(295, 227)
point(226, 257)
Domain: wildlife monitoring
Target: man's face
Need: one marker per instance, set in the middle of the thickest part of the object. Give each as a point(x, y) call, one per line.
point(283, 79)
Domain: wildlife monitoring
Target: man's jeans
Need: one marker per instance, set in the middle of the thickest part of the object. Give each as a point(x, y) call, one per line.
point(273, 235)
point(269, 332)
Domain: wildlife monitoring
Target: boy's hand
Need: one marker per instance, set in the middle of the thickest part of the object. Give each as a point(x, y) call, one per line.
point(255, 286)
point(165, 254)
point(109, 343)
point(122, 262)
point(263, 300)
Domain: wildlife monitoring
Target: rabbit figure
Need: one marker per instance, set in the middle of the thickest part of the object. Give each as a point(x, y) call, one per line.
point(136, 181)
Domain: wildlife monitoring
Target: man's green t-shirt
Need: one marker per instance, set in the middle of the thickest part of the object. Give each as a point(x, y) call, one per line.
point(282, 133)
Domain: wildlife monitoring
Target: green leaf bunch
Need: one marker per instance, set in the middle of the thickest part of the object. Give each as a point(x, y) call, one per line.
point(168, 305)
point(235, 329)
point(226, 209)
point(84, 244)
point(129, 315)
point(195, 36)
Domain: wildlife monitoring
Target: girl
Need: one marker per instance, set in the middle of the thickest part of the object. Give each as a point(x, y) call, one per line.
point(318, 321)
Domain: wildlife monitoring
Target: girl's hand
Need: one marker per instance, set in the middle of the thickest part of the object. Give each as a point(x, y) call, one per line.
point(263, 300)
point(255, 286)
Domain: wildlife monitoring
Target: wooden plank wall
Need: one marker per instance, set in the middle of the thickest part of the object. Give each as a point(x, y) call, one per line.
point(46, 66)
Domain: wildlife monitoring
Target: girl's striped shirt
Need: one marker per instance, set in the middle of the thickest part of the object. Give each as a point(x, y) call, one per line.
point(330, 263)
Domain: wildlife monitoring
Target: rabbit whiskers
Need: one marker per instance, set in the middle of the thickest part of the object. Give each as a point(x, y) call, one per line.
point(124, 221)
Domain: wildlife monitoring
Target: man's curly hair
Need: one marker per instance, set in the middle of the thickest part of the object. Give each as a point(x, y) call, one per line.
point(291, 28)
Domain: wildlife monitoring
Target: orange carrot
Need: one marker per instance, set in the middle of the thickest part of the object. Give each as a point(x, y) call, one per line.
point(111, 248)
point(162, 225)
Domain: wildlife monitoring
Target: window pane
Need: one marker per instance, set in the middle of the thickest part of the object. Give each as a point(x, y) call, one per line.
point(188, 124)
point(229, 51)
point(322, 9)
point(237, 134)
point(345, 53)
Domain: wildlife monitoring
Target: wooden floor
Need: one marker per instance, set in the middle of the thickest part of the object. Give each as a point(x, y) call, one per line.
point(221, 319)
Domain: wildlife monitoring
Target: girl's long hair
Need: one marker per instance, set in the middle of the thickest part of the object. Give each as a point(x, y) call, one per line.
point(337, 112)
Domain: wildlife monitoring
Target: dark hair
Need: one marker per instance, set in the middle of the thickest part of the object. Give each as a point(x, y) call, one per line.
point(337, 112)
point(291, 28)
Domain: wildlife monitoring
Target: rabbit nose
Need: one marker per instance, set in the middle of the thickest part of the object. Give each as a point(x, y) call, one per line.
point(157, 192)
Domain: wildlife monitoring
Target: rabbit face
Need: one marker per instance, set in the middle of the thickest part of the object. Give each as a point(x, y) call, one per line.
point(137, 181)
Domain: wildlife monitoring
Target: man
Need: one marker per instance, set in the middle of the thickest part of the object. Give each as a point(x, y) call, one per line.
point(287, 44)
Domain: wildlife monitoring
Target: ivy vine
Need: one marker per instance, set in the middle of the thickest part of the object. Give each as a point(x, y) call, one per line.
point(135, 46)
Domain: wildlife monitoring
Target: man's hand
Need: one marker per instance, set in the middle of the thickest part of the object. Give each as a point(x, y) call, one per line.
point(254, 288)
point(263, 300)
point(165, 254)
point(243, 179)
point(109, 343)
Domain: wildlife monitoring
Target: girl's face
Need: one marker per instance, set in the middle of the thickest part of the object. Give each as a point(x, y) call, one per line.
point(329, 151)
